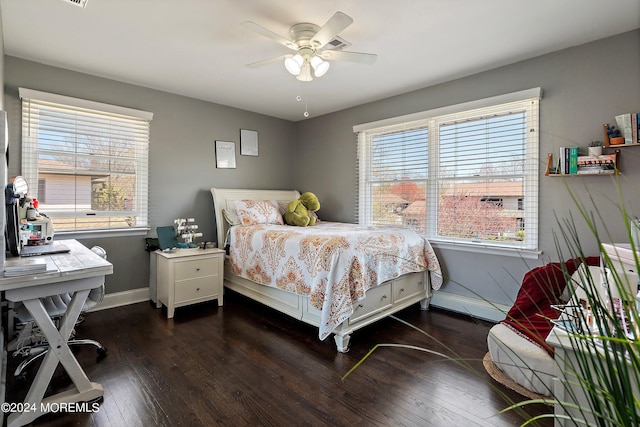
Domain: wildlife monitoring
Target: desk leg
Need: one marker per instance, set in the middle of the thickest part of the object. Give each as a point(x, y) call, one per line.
point(59, 353)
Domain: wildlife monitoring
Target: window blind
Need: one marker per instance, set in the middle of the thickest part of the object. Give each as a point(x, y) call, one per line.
point(86, 162)
point(466, 176)
point(481, 178)
point(396, 176)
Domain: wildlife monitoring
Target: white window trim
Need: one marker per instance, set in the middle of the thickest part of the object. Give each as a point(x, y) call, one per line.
point(414, 119)
point(83, 103)
point(407, 119)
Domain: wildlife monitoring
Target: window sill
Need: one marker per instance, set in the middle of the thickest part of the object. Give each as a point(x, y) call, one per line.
point(481, 248)
point(92, 234)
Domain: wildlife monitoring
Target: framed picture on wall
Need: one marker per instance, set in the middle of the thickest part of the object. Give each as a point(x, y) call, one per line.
point(248, 142)
point(225, 155)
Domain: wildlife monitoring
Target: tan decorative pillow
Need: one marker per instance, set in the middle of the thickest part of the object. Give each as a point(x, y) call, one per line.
point(230, 216)
point(252, 212)
point(282, 207)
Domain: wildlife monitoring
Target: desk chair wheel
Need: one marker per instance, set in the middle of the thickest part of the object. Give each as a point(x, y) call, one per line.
point(102, 353)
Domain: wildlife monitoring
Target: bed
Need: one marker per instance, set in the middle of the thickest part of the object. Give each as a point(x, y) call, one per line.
point(323, 284)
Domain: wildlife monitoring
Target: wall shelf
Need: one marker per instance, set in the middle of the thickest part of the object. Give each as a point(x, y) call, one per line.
point(616, 171)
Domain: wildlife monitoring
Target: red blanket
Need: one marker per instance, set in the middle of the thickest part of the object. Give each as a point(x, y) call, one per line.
point(541, 287)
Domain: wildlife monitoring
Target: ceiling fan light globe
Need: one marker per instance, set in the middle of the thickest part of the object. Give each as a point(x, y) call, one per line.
point(321, 69)
point(292, 66)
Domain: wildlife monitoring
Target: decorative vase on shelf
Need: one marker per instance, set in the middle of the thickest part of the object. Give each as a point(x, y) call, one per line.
point(595, 151)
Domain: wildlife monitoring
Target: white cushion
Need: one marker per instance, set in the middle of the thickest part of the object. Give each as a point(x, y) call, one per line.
point(521, 360)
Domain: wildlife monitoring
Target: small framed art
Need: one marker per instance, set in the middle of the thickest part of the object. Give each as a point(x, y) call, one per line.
point(248, 142)
point(225, 155)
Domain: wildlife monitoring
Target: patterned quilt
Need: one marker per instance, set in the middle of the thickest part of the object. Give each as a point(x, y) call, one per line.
point(332, 263)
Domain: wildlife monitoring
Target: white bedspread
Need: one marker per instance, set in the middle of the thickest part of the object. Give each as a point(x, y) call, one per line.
point(332, 263)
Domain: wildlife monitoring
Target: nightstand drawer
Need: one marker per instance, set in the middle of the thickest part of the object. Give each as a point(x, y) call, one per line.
point(187, 290)
point(196, 268)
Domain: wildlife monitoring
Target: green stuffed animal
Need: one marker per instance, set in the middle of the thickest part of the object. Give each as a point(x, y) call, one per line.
point(298, 210)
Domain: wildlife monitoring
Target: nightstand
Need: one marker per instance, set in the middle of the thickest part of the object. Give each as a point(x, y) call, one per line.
point(189, 276)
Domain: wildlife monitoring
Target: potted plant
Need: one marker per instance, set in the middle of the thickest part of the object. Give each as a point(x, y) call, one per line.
point(595, 148)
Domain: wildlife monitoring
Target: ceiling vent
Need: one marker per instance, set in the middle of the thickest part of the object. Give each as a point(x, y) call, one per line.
point(79, 3)
point(336, 43)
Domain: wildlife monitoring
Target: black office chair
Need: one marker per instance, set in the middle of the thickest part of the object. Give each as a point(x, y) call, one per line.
point(31, 343)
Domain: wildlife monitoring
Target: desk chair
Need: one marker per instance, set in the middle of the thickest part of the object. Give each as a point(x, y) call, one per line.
point(31, 343)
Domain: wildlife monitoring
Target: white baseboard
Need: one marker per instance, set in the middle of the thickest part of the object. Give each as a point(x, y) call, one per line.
point(470, 306)
point(118, 299)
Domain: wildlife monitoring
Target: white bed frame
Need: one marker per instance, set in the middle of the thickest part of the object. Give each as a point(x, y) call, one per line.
point(381, 301)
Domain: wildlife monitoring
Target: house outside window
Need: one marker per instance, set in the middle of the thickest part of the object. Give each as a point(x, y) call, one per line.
point(88, 162)
point(465, 175)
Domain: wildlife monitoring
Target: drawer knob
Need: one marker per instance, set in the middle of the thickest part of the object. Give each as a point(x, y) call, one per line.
point(384, 297)
point(360, 305)
point(197, 289)
point(401, 289)
point(198, 269)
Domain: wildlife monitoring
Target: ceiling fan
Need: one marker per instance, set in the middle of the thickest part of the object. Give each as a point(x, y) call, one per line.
point(313, 46)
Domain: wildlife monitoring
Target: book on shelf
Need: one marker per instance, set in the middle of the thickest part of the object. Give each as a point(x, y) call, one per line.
point(568, 160)
point(595, 170)
point(603, 164)
point(573, 160)
point(22, 266)
point(597, 160)
point(624, 123)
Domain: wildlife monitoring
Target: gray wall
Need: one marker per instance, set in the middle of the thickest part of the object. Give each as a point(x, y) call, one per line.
point(1, 61)
point(583, 87)
point(181, 159)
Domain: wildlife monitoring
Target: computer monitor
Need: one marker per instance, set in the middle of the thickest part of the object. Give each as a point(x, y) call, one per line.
point(14, 194)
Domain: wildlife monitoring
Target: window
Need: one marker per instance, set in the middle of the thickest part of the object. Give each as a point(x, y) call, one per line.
point(86, 162)
point(465, 174)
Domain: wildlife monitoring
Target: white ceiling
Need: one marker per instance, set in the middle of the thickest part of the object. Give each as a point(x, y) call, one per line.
point(197, 48)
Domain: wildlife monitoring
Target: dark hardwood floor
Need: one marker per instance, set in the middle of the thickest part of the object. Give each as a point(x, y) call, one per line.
point(244, 364)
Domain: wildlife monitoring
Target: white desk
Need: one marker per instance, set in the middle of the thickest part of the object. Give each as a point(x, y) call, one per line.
point(76, 272)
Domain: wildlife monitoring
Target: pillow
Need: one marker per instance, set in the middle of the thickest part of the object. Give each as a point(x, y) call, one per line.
point(231, 216)
point(251, 212)
point(282, 207)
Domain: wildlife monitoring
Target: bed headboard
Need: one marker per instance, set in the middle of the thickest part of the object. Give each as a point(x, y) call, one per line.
point(224, 198)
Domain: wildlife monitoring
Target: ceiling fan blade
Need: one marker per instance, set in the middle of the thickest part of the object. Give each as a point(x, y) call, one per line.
point(267, 61)
point(339, 55)
point(250, 25)
point(338, 22)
